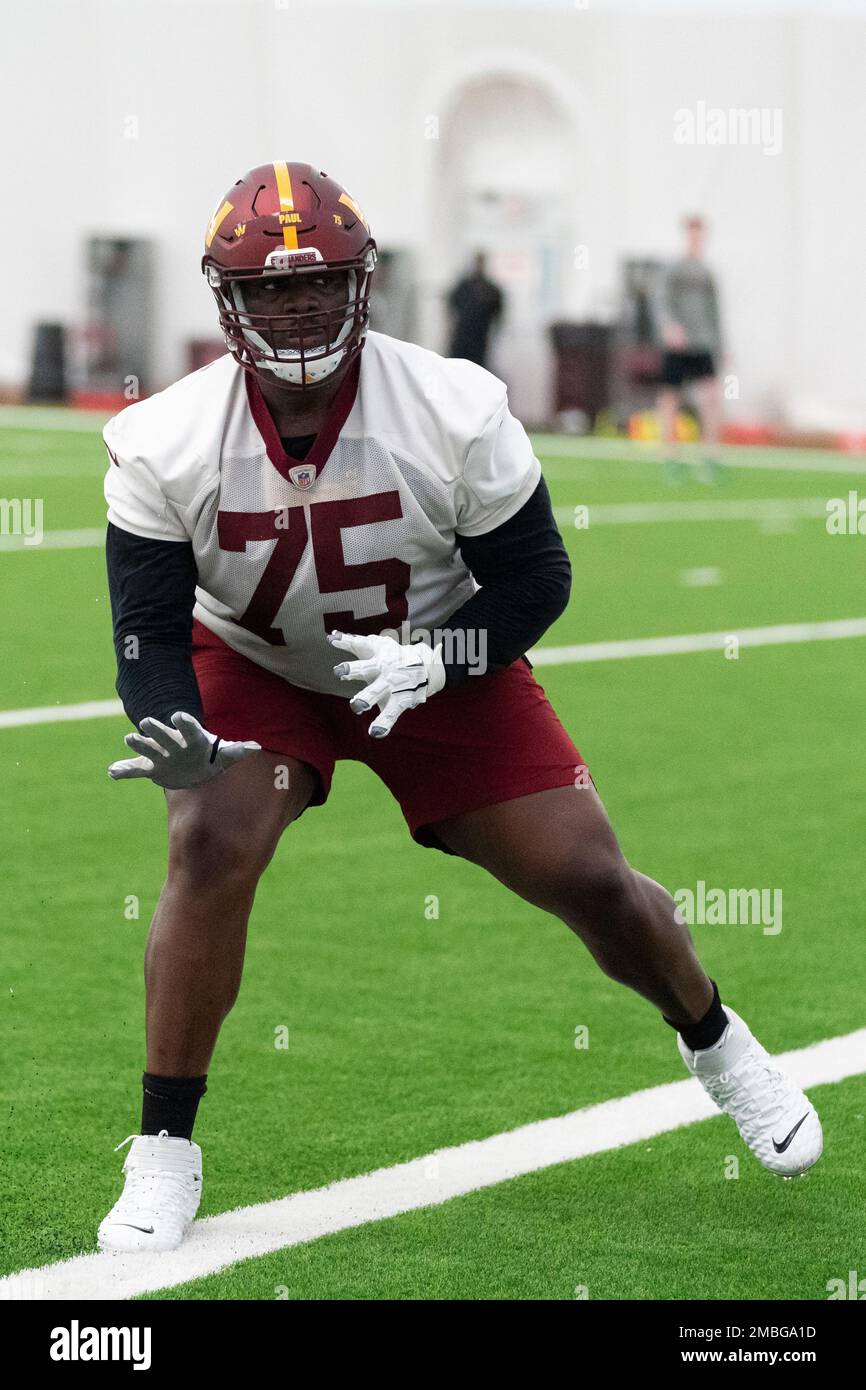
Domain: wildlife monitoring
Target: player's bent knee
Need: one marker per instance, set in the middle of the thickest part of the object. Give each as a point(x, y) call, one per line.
point(210, 855)
point(596, 887)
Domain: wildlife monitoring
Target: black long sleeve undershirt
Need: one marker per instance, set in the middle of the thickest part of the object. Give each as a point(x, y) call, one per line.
point(152, 589)
point(522, 567)
point(525, 576)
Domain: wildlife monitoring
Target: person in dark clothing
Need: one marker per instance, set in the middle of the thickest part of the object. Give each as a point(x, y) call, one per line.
point(476, 304)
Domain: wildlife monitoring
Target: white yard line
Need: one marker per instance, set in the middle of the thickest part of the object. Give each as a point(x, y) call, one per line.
point(83, 538)
point(624, 650)
point(59, 714)
point(700, 642)
point(218, 1242)
point(760, 509)
point(774, 459)
point(723, 509)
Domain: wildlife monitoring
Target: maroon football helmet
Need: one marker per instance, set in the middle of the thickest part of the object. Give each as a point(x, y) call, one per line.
point(290, 219)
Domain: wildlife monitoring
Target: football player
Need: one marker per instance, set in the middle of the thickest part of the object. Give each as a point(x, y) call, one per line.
point(330, 544)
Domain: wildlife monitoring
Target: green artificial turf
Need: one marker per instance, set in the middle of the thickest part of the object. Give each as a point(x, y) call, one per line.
point(408, 1034)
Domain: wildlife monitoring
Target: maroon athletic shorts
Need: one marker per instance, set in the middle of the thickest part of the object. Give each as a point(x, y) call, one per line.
point(491, 739)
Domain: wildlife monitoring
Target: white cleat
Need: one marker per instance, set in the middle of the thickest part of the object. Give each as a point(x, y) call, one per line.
point(774, 1117)
point(160, 1196)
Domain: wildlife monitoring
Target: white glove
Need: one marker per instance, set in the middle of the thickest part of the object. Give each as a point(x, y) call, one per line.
point(180, 757)
point(403, 676)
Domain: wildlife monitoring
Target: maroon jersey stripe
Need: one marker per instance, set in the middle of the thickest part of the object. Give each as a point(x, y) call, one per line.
point(326, 438)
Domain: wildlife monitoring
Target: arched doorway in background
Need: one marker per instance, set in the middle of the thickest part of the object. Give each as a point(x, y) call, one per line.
point(508, 177)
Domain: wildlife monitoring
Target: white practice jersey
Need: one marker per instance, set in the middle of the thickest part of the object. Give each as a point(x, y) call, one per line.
point(359, 536)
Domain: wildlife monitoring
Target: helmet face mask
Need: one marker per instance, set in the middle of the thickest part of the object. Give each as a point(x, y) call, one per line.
point(295, 347)
point(293, 227)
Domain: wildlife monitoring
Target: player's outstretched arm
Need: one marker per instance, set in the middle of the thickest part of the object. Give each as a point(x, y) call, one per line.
point(184, 755)
point(152, 588)
point(151, 584)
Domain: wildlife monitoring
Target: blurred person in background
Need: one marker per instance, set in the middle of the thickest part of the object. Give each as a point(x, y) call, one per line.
point(691, 335)
point(476, 303)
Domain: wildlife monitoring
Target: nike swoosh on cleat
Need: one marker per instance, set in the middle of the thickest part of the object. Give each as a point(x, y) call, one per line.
point(780, 1148)
point(148, 1230)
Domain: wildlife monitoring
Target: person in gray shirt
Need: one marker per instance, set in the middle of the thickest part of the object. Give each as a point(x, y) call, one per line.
point(691, 335)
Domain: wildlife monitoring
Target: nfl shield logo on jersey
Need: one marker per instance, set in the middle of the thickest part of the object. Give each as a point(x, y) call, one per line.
point(304, 475)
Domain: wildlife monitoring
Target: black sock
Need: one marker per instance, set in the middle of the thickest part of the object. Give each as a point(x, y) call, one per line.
point(170, 1103)
point(708, 1029)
